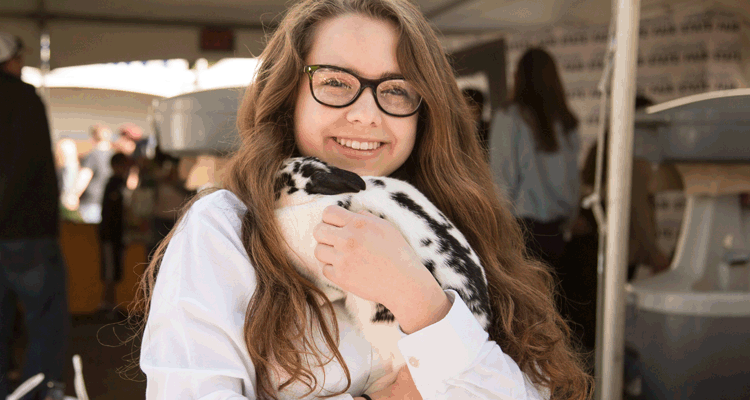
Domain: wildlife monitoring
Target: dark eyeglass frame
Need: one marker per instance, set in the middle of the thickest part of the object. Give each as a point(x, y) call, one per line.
point(364, 83)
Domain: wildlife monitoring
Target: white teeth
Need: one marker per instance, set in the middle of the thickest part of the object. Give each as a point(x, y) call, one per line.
point(358, 145)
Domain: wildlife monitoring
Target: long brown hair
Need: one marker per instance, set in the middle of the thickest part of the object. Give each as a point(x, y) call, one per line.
point(539, 94)
point(447, 165)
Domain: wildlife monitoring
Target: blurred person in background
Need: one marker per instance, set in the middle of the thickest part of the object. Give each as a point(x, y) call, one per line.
point(170, 195)
point(111, 232)
point(93, 175)
point(32, 267)
point(642, 243)
point(68, 166)
point(131, 142)
point(476, 101)
point(124, 142)
point(534, 147)
point(579, 265)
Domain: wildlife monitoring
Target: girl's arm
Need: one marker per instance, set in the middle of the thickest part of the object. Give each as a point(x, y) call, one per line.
point(193, 344)
point(448, 353)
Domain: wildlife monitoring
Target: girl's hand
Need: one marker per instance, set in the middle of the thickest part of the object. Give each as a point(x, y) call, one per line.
point(402, 389)
point(368, 256)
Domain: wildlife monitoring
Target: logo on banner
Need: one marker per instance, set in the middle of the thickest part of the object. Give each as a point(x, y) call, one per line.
point(727, 24)
point(662, 86)
point(698, 23)
point(596, 62)
point(661, 27)
point(599, 35)
point(694, 82)
point(664, 55)
point(696, 52)
point(575, 92)
point(724, 81)
point(728, 52)
point(572, 62)
point(574, 38)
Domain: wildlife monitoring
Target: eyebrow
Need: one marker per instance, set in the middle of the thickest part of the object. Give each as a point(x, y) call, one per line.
point(384, 75)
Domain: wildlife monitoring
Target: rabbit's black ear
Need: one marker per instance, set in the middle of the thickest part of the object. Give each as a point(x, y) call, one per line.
point(336, 181)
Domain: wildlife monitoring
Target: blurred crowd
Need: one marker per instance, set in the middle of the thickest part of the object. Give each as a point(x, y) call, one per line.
point(124, 184)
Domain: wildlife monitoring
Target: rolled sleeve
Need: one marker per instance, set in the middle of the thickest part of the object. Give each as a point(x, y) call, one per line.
point(453, 358)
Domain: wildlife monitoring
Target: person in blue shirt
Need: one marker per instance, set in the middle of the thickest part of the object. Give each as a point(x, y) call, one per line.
point(534, 147)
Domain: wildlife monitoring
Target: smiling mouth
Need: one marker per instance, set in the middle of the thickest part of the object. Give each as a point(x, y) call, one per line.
point(357, 145)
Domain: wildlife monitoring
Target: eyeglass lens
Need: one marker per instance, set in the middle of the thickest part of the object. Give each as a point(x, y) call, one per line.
point(338, 88)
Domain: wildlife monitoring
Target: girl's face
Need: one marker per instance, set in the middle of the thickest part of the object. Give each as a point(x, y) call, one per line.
point(366, 47)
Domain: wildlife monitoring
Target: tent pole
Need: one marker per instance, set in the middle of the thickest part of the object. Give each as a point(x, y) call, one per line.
point(618, 199)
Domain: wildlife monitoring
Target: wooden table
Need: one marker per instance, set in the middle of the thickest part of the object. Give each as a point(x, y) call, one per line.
point(80, 246)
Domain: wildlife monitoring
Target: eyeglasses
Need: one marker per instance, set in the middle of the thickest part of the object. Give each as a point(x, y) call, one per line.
point(337, 87)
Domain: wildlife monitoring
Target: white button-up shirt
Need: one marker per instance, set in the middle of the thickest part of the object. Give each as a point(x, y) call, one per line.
point(193, 344)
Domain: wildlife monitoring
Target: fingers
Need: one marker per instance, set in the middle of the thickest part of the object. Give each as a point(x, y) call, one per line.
point(337, 216)
point(325, 254)
point(326, 234)
point(328, 272)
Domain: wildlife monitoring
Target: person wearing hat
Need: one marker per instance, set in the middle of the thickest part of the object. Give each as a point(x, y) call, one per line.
point(32, 267)
point(11, 54)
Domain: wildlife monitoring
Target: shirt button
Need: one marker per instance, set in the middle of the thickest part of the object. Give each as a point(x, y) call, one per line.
point(414, 362)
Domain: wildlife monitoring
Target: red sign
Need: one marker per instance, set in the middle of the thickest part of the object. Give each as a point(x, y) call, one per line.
point(217, 39)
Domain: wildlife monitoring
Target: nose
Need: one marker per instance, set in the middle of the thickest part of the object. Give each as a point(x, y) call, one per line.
point(364, 111)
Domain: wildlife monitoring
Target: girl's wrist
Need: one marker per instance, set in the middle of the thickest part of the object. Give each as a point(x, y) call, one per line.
point(423, 310)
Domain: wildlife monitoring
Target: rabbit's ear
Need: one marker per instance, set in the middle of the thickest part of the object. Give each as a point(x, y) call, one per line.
point(335, 181)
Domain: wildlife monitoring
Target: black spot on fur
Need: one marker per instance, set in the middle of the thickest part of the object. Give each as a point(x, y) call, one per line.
point(308, 169)
point(383, 314)
point(426, 242)
point(282, 181)
point(378, 182)
point(430, 265)
point(347, 204)
point(458, 257)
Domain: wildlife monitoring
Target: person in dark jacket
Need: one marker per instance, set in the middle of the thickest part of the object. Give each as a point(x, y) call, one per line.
point(111, 231)
point(32, 268)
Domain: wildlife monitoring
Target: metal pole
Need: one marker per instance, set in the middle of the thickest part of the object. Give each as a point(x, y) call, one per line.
point(619, 176)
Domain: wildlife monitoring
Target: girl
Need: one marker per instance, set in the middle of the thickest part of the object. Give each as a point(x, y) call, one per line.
point(534, 154)
point(363, 85)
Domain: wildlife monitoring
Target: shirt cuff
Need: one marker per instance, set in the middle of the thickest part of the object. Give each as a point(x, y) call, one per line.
point(444, 349)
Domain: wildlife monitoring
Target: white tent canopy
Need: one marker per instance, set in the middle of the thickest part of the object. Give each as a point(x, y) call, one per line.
point(89, 31)
point(162, 78)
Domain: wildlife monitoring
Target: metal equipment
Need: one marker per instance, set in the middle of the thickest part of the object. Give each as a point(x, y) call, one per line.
point(691, 325)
